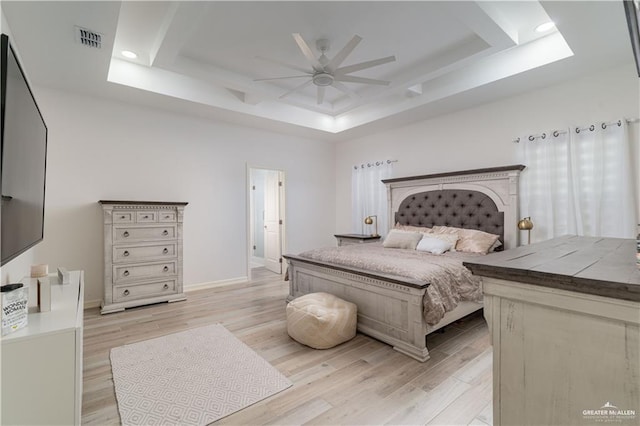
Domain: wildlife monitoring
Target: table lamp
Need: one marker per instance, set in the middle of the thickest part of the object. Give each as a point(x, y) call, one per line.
point(526, 225)
point(369, 220)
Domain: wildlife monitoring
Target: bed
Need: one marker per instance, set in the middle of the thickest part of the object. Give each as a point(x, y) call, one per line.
point(390, 305)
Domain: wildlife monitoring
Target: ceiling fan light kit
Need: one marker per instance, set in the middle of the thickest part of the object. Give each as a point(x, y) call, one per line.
point(322, 79)
point(328, 72)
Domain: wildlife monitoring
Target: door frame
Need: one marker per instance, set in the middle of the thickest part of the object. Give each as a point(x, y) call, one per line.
point(249, 214)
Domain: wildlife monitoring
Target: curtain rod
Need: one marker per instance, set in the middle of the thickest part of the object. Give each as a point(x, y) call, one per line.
point(377, 163)
point(591, 128)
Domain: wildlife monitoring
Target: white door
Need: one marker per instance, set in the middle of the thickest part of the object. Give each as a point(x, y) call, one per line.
point(272, 222)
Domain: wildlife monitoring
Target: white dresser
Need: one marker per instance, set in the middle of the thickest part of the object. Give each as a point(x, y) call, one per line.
point(142, 253)
point(42, 363)
point(564, 318)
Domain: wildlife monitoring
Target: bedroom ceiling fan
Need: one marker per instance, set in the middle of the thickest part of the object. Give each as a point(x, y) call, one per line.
point(327, 72)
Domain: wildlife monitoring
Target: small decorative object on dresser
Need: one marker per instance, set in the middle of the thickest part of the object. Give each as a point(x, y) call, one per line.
point(142, 253)
point(15, 298)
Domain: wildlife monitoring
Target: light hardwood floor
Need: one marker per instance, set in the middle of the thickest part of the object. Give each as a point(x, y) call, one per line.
point(360, 382)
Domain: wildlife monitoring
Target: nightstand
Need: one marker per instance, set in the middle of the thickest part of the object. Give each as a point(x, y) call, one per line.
point(346, 239)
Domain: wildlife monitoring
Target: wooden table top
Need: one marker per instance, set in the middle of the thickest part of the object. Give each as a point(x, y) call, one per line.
point(358, 236)
point(592, 265)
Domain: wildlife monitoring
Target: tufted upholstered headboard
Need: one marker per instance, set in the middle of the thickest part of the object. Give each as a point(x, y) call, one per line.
point(452, 207)
point(483, 199)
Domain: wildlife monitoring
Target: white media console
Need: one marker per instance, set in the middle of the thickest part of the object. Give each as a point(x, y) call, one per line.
point(42, 363)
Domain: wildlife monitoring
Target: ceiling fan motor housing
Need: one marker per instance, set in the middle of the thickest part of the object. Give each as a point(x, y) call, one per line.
point(322, 79)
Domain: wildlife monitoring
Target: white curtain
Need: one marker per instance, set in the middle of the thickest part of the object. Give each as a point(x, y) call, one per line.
point(369, 196)
point(579, 181)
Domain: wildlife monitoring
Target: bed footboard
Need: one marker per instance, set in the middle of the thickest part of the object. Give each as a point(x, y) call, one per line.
point(389, 308)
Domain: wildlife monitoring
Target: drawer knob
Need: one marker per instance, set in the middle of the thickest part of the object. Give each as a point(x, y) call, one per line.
point(166, 286)
point(123, 217)
point(165, 269)
point(125, 234)
point(167, 217)
point(125, 273)
point(126, 253)
point(126, 292)
point(146, 216)
point(165, 232)
point(165, 251)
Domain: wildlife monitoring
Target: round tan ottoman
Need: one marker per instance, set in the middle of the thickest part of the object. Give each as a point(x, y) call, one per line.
point(321, 320)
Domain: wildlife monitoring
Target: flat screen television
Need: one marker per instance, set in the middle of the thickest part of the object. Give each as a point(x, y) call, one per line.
point(632, 11)
point(23, 149)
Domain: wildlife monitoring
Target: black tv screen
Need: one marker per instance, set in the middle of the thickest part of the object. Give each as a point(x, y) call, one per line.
point(632, 11)
point(23, 166)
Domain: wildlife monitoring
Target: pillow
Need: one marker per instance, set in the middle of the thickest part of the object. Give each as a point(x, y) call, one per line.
point(422, 229)
point(495, 246)
point(433, 245)
point(402, 239)
point(447, 238)
point(470, 240)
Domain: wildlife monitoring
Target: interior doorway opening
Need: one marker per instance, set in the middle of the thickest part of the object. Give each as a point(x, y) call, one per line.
point(266, 221)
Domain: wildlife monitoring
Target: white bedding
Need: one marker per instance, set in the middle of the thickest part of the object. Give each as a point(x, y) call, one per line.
point(450, 282)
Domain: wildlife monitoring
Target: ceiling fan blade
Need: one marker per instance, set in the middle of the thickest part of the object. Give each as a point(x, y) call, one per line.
point(281, 78)
point(285, 64)
point(364, 65)
point(342, 55)
point(354, 79)
point(341, 87)
point(302, 86)
point(306, 51)
point(321, 90)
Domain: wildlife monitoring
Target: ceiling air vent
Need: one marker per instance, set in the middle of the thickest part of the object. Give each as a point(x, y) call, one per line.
point(88, 38)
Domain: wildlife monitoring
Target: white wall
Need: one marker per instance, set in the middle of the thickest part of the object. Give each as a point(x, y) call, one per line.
point(482, 136)
point(101, 149)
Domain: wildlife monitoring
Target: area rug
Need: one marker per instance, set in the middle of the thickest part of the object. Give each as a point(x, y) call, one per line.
point(194, 377)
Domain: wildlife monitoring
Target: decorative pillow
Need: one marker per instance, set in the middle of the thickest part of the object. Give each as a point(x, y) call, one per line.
point(411, 228)
point(469, 240)
point(433, 245)
point(402, 239)
point(495, 246)
point(447, 238)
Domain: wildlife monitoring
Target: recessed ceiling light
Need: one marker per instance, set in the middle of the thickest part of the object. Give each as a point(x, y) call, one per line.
point(129, 54)
point(545, 27)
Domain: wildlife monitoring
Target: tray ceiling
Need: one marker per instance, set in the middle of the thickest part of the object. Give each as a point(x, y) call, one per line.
point(208, 54)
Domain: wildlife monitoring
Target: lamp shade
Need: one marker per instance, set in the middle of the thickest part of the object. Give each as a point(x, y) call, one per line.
point(525, 224)
point(368, 220)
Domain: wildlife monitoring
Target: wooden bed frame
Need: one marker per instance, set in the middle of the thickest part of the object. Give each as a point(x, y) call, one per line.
point(390, 307)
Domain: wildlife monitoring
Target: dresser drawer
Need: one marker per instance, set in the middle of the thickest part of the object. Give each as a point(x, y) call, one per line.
point(167, 216)
point(144, 252)
point(143, 290)
point(146, 216)
point(127, 273)
point(124, 217)
point(123, 234)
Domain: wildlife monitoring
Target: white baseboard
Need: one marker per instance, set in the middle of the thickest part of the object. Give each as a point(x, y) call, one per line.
point(257, 262)
point(88, 304)
point(212, 284)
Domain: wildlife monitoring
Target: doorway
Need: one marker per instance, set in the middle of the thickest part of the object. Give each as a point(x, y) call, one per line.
point(266, 220)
